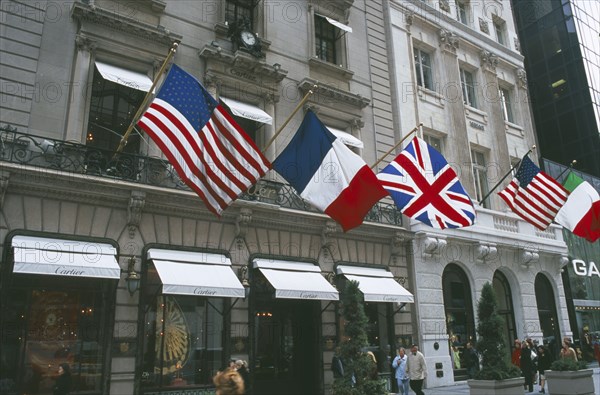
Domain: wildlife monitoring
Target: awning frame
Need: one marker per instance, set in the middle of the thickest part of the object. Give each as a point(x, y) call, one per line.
point(371, 276)
point(122, 76)
point(169, 261)
point(246, 110)
point(67, 257)
point(272, 269)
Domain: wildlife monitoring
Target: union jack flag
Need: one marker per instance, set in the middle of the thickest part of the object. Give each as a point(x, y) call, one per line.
point(426, 188)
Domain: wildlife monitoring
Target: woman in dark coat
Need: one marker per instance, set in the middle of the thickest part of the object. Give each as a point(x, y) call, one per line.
point(527, 365)
point(63, 382)
point(544, 361)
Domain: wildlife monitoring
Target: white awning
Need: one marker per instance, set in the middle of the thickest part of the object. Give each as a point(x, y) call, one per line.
point(346, 138)
point(377, 285)
point(339, 25)
point(60, 257)
point(128, 78)
point(247, 111)
point(196, 273)
point(296, 280)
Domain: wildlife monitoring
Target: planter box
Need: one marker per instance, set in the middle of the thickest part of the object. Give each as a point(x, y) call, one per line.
point(497, 387)
point(580, 382)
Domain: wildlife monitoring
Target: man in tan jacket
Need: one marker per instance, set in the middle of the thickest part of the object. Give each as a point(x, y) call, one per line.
point(416, 369)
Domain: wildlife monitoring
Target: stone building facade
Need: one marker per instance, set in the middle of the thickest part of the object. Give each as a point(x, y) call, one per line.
point(144, 248)
point(458, 70)
point(73, 76)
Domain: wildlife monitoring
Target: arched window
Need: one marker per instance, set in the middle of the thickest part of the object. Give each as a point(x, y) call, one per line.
point(458, 306)
point(544, 296)
point(505, 307)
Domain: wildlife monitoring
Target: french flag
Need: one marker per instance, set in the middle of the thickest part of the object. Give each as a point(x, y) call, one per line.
point(328, 174)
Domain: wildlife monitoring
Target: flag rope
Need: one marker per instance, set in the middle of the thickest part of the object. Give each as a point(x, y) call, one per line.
point(304, 99)
point(416, 128)
point(142, 107)
point(516, 165)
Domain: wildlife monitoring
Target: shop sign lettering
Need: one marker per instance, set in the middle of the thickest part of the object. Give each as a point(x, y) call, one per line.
point(63, 271)
point(204, 292)
point(306, 295)
point(582, 268)
point(389, 298)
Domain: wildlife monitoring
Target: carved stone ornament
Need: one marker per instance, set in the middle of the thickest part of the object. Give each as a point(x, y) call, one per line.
point(433, 246)
point(85, 43)
point(529, 257)
point(522, 78)
point(327, 233)
point(448, 40)
point(397, 244)
point(242, 221)
point(4, 177)
point(444, 5)
point(409, 18)
point(517, 45)
point(483, 26)
point(486, 253)
point(134, 211)
point(489, 61)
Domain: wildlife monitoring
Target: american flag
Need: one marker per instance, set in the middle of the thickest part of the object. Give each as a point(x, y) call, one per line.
point(207, 148)
point(426, 188)
point(533, 195)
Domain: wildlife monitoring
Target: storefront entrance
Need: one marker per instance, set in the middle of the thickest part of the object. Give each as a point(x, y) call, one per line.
point(286, 346)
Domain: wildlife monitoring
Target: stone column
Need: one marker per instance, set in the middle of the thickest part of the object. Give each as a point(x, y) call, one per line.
point(457, 149)
point(499, 159)
point(80, 90)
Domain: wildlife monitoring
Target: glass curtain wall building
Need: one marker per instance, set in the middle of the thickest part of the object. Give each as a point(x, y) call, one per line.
point(561, 44)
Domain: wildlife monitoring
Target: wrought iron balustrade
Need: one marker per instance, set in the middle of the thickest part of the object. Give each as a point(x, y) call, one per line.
point(43, 152)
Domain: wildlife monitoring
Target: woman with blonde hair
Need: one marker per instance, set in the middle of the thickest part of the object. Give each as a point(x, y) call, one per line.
point(229, 382)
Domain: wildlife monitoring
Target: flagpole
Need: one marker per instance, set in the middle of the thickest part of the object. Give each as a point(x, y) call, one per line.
point(142, 107)
point(304, 99)
point(506, 175)
point(573, 163)
point(416, 129)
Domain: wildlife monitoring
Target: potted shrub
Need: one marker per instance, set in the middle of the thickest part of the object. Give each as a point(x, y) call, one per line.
point(497, 375)
point(568, 377)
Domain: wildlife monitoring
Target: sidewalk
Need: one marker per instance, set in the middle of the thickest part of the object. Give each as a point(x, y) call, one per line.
point(462, 387)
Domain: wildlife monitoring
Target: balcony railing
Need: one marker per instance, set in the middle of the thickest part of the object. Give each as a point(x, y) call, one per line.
point(43, 152)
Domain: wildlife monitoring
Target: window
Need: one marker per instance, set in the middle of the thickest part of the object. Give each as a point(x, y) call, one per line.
point(500, 28)
point(423, 69)
point(183, 338)
point(236, 10)
point(433, 141)
point(480, 176)
point(468, 88)
point(112, 108)
point(52, 320)
point(462, 12)
point(325, 40)
point(505, 102)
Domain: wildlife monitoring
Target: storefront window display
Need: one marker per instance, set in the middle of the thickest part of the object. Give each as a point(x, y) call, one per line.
point(52, 320)
point(581, 277)
point(182, 339)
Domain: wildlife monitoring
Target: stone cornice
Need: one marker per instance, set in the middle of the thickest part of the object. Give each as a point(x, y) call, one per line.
point(123, 23)
point(244, 63)
point(331, 92)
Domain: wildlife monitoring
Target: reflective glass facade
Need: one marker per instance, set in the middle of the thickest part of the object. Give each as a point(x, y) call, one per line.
point(560, 42)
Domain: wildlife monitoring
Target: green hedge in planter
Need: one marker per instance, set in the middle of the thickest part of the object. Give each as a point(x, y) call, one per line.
point(563, 365)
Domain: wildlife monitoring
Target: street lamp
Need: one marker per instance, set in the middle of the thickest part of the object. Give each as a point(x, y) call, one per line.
point(132, 279)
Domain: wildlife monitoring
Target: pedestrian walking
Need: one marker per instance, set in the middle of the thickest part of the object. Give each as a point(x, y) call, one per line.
point(471, 360)
point(399, 365)
point(416, 369)
point(544, 361)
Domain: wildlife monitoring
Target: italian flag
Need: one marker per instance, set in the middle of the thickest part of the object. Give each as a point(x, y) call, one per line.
point(581, 212)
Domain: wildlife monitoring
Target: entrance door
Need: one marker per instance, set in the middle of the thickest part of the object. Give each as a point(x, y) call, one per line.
point(286, 346)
